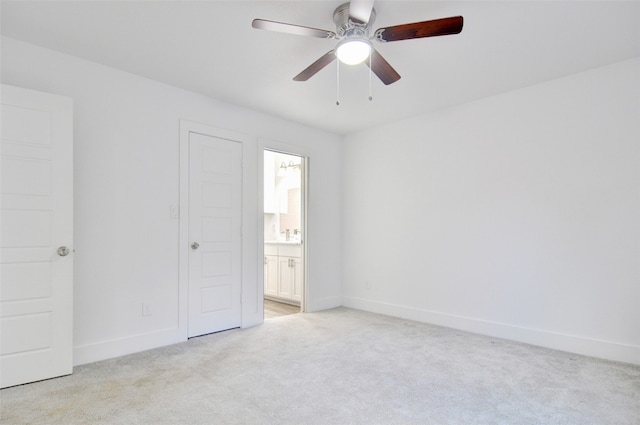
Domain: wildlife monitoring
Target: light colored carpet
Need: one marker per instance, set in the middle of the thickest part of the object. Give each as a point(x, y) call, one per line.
point(340, 366)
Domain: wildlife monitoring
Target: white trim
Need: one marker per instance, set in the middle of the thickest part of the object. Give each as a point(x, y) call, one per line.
point(260, 221)
point(187, 127)
point(575, 344)
point(305, 229)
point(325, 303)
point(103, 350)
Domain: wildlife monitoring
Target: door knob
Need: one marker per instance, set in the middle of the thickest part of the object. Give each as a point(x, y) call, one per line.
point(63, 251)
point(195, 245)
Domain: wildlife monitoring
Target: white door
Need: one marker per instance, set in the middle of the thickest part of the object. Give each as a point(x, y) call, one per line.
point(271, 275)
point(36, 263)
point(215, 234)
point(285, 283)
point(297, 276)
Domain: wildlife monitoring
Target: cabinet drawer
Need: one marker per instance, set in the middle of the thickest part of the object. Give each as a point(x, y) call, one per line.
point(290, 251)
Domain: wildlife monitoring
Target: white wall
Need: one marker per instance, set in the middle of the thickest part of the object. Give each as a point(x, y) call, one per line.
point(126, 157)
point(516, 216)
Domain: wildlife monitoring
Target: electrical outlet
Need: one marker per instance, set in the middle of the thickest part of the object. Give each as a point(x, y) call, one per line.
point(146, 309)
point(174, 212)
point(367, 285)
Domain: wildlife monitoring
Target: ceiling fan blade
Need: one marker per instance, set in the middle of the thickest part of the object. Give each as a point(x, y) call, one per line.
point(382, 69)
point(263, 24)
point(313, 69)
point(360, 10)
point(436, 27)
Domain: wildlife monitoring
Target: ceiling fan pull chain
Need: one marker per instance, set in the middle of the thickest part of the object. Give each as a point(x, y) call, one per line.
point(337, 83)
point(370, 95)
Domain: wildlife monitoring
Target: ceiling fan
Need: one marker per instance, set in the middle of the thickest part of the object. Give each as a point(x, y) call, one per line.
point(353, 22)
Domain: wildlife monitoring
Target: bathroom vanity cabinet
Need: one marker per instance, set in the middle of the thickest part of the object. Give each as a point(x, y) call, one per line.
point(283, 272)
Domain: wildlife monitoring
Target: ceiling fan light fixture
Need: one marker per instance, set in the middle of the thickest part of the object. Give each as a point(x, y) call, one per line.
point(353, 51)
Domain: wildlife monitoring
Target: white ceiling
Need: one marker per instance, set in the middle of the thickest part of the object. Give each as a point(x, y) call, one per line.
point(209, 47)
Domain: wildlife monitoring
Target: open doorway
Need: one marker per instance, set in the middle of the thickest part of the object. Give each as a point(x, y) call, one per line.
point(284, 231)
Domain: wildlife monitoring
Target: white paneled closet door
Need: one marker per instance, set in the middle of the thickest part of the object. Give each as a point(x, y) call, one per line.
point(36, 239)
point(215, 234)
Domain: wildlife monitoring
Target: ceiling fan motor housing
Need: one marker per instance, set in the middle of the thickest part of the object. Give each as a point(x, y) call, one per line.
point(349, 28)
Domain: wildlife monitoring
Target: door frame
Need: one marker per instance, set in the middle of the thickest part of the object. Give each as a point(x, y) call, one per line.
point(187, 127)
point(305, 155)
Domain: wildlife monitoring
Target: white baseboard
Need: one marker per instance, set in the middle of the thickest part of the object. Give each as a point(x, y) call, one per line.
point(324, 304)
point(282, 300)
point(571, 343)
point(103, 350)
